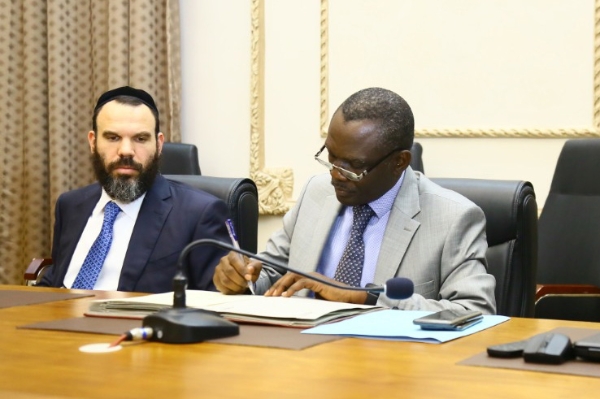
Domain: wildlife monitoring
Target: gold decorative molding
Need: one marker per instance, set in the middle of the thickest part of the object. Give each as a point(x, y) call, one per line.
point(324, 67)
point(597, 65)
point(275, 186)
point(470, 133)
point(274, 190)
point(514, 133)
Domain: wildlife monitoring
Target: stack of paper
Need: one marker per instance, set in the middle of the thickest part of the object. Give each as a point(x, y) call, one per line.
point(292, 312)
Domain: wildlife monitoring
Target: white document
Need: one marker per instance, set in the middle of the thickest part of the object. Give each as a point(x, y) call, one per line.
point(294, 311)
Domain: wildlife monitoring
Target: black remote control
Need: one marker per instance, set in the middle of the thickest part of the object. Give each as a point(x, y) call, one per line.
point(508, 350)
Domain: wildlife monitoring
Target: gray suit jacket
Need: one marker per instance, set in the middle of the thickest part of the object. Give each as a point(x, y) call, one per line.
point(434, 236)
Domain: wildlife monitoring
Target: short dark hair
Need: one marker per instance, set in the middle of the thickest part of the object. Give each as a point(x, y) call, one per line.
point(129, 96)
point(392, 112)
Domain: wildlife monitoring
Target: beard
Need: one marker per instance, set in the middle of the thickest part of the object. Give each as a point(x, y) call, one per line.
point(125, 188)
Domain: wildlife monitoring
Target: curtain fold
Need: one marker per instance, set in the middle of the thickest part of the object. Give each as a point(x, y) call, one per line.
point(56, 58)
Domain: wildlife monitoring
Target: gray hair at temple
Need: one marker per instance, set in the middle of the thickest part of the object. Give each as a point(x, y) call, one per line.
point(396, 121)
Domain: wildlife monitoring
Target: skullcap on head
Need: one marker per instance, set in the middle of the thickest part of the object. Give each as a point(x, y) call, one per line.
point(127, 91)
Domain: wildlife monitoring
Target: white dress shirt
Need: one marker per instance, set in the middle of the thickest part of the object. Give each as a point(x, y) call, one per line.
point(108, 279)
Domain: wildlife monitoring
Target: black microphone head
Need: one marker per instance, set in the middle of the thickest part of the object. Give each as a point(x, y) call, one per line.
point(399, 288)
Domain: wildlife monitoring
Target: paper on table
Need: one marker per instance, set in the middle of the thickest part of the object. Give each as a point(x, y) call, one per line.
point(294, 311)
point(398, 325)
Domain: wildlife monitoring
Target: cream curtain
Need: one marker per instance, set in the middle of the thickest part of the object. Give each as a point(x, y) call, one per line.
point(56, 58)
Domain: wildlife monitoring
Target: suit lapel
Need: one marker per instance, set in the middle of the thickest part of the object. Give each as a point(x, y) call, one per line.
point(400, 229)
point(149, 224)
point(76, 221)
point(327, 214)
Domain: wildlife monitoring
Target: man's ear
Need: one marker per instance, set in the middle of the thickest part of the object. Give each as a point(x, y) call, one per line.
point(92, 140)
point(402, 160)
point(160, 140)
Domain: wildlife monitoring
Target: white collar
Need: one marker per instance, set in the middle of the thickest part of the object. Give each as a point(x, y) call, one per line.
point(130, 209)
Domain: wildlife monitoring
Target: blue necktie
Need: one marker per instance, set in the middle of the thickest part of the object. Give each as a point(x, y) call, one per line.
point(349, 270)
point(86, 279)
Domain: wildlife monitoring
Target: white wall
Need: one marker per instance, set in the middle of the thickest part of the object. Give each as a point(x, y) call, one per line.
point(215, 57)
point(510, 65)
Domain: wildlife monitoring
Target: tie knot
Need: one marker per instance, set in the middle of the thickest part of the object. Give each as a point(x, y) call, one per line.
point(111, 210)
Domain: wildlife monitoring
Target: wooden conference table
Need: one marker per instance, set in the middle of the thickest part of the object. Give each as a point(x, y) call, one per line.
point(48, 364)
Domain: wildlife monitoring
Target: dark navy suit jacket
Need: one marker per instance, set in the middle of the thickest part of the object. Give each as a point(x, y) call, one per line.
point(171, 216)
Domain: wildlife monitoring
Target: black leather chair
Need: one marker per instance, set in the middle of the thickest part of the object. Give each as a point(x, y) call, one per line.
point(416, 161)
point(510, 209)
point(568, 274)
point(240, 195)
point(179, 159)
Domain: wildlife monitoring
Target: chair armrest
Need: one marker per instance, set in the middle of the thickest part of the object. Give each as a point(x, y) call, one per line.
point(568, 302)
point(565, 289)
point(35, 269)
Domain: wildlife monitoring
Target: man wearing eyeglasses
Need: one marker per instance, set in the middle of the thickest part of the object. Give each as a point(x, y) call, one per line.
point(372, 218)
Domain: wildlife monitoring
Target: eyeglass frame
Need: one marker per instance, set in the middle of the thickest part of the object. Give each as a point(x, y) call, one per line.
point(356, 177)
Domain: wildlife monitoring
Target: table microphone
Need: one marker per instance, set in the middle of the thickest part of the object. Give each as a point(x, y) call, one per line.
point(394, 288)
point(180, 324)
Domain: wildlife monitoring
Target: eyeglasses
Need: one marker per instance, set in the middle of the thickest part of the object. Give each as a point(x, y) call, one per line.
point(346, 173)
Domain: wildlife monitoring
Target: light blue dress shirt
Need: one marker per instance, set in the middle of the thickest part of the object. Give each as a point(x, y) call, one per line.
point(373, 235)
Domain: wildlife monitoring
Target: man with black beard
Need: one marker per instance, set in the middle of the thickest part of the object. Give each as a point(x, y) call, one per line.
point(126, 231)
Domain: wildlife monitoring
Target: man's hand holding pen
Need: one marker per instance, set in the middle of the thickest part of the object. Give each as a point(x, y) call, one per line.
point(234, 272)
point(236, 244)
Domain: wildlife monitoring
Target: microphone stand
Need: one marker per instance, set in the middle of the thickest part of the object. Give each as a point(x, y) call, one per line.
point(180, 324)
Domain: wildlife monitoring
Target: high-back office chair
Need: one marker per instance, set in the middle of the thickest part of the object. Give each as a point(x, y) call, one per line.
point(240, 195)
point(416, 162)
point(179, 159)
point(568, 274)
point(510, 209)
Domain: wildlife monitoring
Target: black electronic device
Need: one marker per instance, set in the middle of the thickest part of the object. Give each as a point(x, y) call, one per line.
point(508, 350)
point(183, 326)
point(588, 348)
point(449, 319)
point(551, 348)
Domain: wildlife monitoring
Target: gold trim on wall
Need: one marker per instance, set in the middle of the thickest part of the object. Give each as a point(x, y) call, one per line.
point(512, 133)
point(275, 185)
point(324, 67)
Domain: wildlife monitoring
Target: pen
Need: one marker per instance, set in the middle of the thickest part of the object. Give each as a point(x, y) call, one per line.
point(236, 244)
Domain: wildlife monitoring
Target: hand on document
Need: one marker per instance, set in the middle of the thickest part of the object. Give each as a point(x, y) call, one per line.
point(232, 274)
point(291, 283)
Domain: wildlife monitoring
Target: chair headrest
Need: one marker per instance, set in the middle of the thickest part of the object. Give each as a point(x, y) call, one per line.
point(577, 168)
point(500, 201)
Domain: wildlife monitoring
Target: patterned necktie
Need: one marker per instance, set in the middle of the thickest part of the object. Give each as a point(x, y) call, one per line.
point(86, 279)
point(349, 270)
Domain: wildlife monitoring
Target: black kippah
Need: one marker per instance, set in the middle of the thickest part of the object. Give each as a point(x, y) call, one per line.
point(127, 91)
